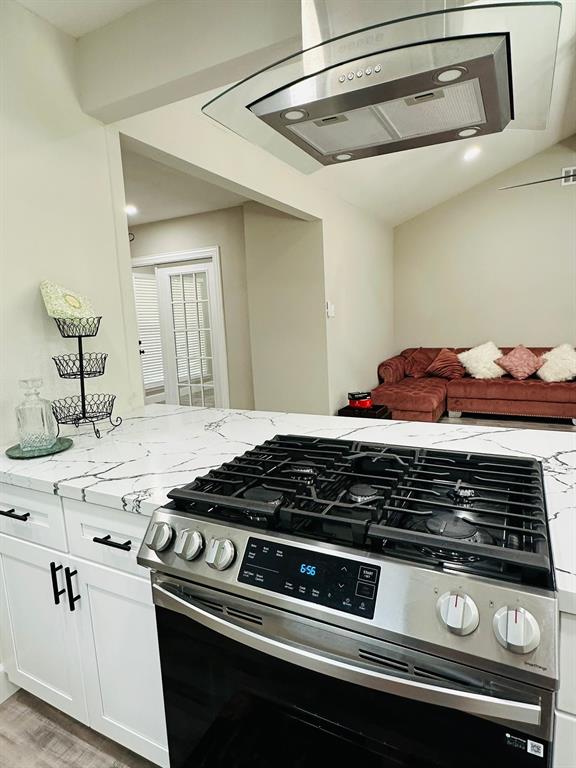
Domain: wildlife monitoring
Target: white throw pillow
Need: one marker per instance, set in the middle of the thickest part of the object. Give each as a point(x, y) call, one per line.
point(559, 365)
point(479, 361)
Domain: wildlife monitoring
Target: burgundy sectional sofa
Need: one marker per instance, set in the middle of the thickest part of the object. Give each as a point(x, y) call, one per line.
point(427, 399)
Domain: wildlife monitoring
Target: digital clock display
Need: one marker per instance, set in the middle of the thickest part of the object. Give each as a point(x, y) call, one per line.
point(326, 579)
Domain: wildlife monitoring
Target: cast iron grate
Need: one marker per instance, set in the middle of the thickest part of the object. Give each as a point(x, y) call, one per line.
point(460, 511)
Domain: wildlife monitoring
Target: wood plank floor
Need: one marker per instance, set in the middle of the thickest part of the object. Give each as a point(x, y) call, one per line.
point(35, 735)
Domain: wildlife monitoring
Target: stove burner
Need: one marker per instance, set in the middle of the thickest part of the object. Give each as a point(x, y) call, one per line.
point(267, 495)
point(304, 470)
point(448, 525)
point(360, 493)
point(462, 496)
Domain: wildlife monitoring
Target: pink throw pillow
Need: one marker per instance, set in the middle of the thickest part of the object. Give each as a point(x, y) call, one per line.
point(520, 362)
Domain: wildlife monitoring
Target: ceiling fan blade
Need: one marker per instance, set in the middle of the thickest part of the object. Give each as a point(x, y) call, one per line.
point(540, 181)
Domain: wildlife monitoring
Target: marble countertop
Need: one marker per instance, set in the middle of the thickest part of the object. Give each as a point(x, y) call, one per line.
point(162, 446)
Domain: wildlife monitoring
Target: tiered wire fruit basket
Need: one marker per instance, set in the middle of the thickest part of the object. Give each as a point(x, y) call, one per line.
point(83, 408)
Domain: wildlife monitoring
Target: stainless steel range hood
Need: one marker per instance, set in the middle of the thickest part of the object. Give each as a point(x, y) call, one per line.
point(441, 75)
point(388, 102)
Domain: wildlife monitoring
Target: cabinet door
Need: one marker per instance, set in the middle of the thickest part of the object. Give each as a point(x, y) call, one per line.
point(121, 659)
point(39, 637)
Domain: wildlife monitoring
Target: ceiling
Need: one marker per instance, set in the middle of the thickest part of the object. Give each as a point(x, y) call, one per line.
point(77, 17)
point(160, 192)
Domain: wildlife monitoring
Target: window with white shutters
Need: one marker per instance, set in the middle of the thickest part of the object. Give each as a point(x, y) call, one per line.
point(146, 294)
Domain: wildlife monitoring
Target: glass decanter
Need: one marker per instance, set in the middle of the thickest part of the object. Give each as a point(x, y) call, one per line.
point(36, 424)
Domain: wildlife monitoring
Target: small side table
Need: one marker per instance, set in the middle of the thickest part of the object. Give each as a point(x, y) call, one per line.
point(376, 412)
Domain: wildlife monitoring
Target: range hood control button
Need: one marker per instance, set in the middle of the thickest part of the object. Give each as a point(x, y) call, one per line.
point(458, 613)
point(516, 629)
point(220, 554)
point(342, 78)
point(377, 68)
point(189, 544)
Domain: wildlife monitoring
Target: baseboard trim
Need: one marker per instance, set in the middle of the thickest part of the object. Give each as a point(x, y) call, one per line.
point(6, 687)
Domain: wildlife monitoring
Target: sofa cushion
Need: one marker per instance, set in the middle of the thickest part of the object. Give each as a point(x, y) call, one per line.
point(446, 365)
point(520, 363)
point(559, 364)
point(480, 361)
point(417, 363)
point(511, 389)
point(412, 394)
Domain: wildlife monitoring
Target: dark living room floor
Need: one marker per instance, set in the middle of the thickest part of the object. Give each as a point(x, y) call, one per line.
point(511, 422)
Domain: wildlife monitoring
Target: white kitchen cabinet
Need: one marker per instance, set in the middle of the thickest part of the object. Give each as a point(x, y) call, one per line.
point(564, 755)
point(40, 646)
point(33, 516)
point(86, 522)
point(119, 647)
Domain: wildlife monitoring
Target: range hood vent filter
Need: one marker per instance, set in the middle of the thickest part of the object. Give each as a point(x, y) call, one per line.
point(360, 128)
point(452, 107)
point(449, 108)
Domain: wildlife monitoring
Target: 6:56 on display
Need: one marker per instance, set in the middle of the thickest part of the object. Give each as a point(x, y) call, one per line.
point(309, 570)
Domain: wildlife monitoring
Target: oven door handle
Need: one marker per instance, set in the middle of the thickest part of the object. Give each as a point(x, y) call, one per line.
point(463, 701)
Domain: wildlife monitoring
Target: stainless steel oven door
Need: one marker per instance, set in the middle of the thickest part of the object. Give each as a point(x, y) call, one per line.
point(274, 649)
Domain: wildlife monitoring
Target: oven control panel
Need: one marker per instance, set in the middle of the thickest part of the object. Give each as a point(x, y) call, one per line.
point(336, 582)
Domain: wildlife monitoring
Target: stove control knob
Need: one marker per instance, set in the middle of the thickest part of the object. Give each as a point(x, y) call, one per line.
point(458, 613)
point(516, 629)
point(189, 544)
point(220, 554)
point(160, 537)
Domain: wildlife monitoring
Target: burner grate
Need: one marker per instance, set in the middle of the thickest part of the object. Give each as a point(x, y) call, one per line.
point(460, 511)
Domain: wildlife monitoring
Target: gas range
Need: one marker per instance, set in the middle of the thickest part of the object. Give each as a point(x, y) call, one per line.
point(441, 551)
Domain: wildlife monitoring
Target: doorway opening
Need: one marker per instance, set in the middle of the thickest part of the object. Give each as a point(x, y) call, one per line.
point(180, 314)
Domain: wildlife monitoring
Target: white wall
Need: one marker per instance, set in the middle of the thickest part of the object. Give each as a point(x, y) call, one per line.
point(61, 218)
point(166, 51)
point(358, 269)
point(285, 266)
point(195, 144)
point(225, 229)
point(490, 264)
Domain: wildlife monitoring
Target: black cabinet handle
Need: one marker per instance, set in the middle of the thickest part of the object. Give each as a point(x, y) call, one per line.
point(13, 514)
point(107, 541)
point(57, 592)
point(72, 598)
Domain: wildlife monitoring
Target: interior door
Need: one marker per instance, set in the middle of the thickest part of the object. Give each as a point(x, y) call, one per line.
point(193, 339)
point(39, 637)
point(119, 646)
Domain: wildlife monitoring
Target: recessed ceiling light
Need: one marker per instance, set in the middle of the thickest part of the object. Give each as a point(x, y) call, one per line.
point(467, 132)
point(343, 156)
point(472, 153)
point(449, 75)
point(294, 114)
point(130, 209)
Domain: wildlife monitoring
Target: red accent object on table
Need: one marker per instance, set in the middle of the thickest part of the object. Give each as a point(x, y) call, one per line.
point(360, 399)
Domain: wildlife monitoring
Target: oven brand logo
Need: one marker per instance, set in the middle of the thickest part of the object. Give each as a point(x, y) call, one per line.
point(535, 666)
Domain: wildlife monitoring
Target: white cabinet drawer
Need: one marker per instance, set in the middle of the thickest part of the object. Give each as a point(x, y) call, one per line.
point(87, 522)
point(33, 516)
